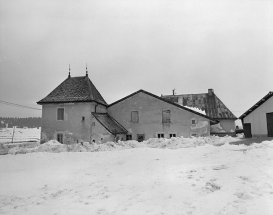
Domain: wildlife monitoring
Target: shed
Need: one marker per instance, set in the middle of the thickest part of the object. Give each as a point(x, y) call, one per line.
point(258, 120)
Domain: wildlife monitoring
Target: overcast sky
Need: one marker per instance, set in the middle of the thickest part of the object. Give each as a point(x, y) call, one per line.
point(130, 45)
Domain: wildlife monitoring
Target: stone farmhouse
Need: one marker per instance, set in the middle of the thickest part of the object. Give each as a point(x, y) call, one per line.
point(75, 111)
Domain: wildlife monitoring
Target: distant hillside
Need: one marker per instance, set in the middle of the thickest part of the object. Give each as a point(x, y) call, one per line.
point(30, 122)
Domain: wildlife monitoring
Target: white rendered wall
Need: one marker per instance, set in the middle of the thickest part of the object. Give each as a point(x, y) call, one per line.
point(257, 118)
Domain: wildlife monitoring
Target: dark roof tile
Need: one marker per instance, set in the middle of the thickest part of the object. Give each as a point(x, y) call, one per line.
point(76, 89)
point(212, 105)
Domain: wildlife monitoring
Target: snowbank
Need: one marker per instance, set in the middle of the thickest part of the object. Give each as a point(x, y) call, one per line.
point(152, 178)
point(173, 143)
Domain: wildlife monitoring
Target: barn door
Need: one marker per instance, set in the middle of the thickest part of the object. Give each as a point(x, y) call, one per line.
point(269, 119)
point(247, 130)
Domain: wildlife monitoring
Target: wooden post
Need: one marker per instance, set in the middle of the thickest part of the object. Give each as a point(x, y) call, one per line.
point(13, 134)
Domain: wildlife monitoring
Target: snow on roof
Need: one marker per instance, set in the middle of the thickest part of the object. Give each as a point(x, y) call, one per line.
point(196, 109)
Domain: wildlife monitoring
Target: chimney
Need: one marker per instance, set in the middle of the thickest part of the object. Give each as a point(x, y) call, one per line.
point(173, 92)
point(210, 91)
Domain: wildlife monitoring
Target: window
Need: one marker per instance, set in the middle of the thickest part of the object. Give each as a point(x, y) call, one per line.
point(166, 116)
point(83, 118)
point(60, 138)
point(172, 135)
point(140, 137)
point(60, 113)
point(128, 137)
point(134, 116)
point(160, 135)
point(193, 121)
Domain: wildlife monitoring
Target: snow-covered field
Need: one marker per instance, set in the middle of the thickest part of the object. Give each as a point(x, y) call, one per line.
point(183, 176)
point(20, 135)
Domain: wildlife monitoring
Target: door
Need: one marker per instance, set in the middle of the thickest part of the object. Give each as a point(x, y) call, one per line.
point(269, 119)
point(247, 130)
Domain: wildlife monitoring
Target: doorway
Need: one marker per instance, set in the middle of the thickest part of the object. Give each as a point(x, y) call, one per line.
point(269, 120)
point(247, 130)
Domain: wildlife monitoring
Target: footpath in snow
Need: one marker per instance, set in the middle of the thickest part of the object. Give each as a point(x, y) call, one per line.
point(180, 176)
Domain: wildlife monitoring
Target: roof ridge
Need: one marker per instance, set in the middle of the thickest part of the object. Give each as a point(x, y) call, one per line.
point(257, 104)
point(162, 99)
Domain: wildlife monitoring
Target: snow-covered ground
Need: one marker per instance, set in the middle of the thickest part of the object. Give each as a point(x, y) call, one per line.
point(20, 135)
point(184, 176)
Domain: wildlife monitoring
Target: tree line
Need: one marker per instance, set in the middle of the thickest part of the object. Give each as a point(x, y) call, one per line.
point(29, 122)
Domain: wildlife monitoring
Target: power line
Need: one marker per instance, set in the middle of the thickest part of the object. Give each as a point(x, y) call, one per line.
point(18, 105)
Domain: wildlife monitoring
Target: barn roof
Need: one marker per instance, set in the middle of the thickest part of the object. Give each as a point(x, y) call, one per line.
point(74, 89)
point(208, 102)
point(110, 123)
point(258, 104)
point(165, 100)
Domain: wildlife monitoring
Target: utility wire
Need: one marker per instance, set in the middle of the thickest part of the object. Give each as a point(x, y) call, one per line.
point(18, 105)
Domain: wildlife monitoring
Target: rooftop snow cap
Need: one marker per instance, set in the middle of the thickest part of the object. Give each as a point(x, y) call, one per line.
point(74, 89)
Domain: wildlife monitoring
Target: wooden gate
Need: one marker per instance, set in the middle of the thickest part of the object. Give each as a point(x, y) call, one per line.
point(247, 130)
point(269, 119)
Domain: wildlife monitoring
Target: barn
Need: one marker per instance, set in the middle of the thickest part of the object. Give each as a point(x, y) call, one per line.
point(257, 121)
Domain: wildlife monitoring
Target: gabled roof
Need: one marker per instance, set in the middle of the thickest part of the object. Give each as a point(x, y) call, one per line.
point(209, 102)
point(74, 89)
point(164, 100)
point(110, 123)
point(258, 104)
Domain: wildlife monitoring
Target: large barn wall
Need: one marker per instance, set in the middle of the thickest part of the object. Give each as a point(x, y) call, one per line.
point(257, 118)
point(150, 117)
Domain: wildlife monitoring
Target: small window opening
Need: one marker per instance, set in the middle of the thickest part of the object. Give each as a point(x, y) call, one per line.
point(172, 135)
point(128, 137)
point(83, 118)
point(193, 121)
point(140, 137)
point(160, 135)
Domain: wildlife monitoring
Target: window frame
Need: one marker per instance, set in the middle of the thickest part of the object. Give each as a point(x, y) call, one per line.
point(194, 121)
point(172, 135)
point(62, 137)
point(58, 108)
point(129, 137)
point(160, 135)
point(134, 121)
point(168, 119)
point(140, 135)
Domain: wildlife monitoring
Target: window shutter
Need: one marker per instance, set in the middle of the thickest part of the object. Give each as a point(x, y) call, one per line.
point(134, 116)
point(166, 116)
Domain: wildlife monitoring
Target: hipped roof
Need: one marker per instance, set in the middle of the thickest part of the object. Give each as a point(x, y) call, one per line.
point(74, 89)
point(110, 123)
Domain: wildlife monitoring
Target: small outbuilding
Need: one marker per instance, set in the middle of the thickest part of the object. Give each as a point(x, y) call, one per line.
point(258, 120)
